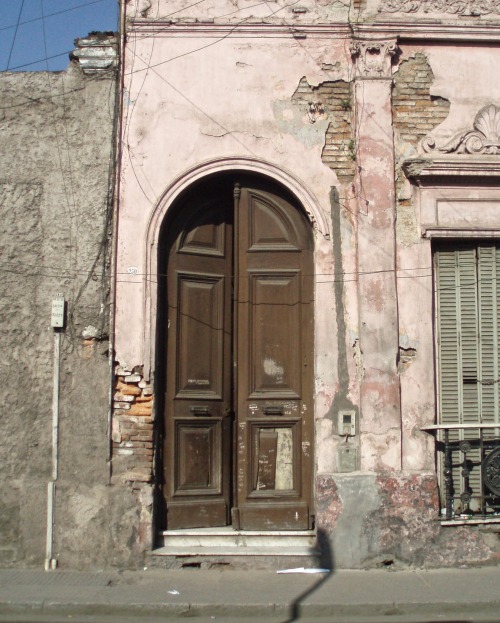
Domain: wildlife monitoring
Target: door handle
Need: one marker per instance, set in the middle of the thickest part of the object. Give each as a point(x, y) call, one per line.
point(199, 411)
point(274, 410)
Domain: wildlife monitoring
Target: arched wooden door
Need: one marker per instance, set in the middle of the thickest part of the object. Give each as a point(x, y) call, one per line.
point(238, 444)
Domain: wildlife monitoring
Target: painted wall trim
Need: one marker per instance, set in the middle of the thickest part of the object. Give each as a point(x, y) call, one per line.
point(260, 30)
point(425, 29)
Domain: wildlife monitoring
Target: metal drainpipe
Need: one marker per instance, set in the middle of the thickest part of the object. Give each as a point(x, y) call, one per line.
point(50, 561)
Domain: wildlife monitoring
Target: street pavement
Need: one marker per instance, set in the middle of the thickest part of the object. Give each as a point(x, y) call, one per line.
point(343, 596)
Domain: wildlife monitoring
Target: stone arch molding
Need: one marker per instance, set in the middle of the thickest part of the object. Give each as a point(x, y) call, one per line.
point(306, 198)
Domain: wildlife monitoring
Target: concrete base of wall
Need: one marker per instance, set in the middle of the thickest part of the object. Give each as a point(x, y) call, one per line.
point(369, 520)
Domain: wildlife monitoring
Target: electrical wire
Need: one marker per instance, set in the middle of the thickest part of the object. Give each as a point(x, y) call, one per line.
point(15, 34)
point(41, 60)
point(37, 19)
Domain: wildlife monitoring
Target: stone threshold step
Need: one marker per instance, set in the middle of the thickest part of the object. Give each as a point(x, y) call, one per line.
point(228, 530)
point(214, 551)
point(238, 539)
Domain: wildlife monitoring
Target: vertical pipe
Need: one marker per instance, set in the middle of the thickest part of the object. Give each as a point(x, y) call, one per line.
point(55, 406)
point(50, 561)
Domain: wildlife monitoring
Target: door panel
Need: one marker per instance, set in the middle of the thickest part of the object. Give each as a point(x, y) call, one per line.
point(272, 337)
point(199, 455)
point(268, 229)
point(200, 354)
point(197, 446)
point(274, 345)
point(240, 304)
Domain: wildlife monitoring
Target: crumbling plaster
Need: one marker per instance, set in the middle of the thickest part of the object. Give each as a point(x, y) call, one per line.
point(202, 94)
point(470, 89)
point(56, 149)
point(207, 128)
point(190, 115)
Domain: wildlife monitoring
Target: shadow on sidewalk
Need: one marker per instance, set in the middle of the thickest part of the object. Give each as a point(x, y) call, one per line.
point(326, 562)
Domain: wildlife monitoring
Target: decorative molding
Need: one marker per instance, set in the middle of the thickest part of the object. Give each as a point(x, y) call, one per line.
point(484, 138)
point(172, 28)
point(315, 110)
point(307, 199)
point(373, 59)
point(429, 29)
point(426, 170)
point(423, 29)
point(433, 232)
point(473, 8)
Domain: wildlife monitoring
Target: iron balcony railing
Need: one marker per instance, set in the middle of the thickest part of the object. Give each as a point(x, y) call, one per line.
point(469, 459)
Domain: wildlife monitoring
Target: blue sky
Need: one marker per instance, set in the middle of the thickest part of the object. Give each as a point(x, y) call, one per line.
point(24, 46)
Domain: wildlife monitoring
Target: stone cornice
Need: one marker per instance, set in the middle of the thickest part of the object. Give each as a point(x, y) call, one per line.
point(400, 29)
point(210, 29)
point(426, 170)
point(430, 30)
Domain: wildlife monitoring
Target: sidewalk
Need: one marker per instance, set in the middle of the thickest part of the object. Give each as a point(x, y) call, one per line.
point(344, 596)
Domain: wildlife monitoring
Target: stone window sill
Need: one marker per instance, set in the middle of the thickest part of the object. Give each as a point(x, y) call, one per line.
point(463, 521)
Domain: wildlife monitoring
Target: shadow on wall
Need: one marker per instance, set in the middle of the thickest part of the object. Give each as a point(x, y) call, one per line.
point(326, 562)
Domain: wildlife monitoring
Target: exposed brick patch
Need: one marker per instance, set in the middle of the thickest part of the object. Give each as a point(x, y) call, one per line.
point(415, 114)
point(336, 98)
point(415, 111)
point(132, 432)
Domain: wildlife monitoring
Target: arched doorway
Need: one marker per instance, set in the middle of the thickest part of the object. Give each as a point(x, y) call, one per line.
point(237, 316)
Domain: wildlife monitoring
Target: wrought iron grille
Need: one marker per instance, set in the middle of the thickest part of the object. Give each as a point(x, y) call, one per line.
point(469, 457)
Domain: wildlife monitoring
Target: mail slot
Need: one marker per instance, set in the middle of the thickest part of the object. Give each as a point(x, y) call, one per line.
point(277, 410)
point(199, 411)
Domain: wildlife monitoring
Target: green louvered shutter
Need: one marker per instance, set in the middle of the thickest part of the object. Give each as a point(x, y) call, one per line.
point(448, 322)
point(468, 316)
point(488, 268)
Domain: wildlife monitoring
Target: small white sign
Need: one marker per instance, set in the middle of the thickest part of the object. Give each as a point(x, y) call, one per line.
point(57, 317)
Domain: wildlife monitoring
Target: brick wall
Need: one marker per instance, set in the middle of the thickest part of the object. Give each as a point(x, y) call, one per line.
point(336, 100)
point(415, 113)
point(132, 433)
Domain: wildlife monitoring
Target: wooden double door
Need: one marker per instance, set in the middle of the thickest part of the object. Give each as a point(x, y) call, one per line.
point(238, 443)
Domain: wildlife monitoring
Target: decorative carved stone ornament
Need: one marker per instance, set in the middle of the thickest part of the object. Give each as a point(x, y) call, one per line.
point(455, 7)
point(373, 58)
point(491, 471)
point(484, 138)
point(315, 110)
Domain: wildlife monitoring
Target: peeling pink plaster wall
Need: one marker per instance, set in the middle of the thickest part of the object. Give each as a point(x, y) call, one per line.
point(194, 98)
point(214, 105)
point(464, 77)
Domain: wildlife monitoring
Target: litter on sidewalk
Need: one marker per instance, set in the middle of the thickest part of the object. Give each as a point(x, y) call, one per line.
point(303, 570)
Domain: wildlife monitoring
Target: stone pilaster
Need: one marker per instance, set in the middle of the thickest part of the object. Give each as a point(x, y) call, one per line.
point(380, 420)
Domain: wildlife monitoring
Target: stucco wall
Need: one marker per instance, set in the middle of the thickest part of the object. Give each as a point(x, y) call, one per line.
point(330, 99)
point(56, 160)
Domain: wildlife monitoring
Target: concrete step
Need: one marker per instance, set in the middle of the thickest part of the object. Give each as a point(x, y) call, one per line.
point(208, 547)
point(229, 538)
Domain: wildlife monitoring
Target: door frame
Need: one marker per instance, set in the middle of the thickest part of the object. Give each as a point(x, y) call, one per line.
point(304, 196)
point(163, 215)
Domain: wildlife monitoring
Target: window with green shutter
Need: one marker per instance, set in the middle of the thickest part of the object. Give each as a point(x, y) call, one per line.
point(467, 326)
